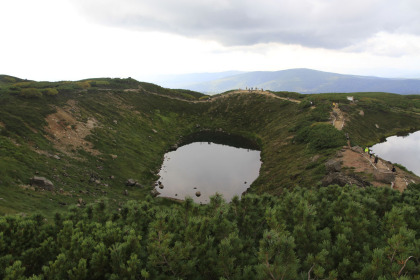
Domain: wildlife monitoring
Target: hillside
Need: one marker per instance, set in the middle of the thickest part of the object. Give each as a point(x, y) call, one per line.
point(303, 81)
point(316, 210)
point(89, 137)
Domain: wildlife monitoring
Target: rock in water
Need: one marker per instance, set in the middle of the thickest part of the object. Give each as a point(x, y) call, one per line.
point(198, 194)
point(42, 182)
point(155, 192)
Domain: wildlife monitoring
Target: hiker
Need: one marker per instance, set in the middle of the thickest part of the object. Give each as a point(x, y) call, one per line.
point(367, 150)
point(376, 159)
point(393, 169)
point(370, 153)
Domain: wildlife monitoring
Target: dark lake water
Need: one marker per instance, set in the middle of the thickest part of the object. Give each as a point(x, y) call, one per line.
point(404, 150)
point(208, 168)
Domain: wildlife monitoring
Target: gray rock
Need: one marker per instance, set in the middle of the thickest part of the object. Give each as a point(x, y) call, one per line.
point(125, 192)
point(155, 192)
point(333, 165)
point(130, 182)
point(384, 176)
point(42, 182)
point(357, 149)
point(198, 194)
point(338, 178)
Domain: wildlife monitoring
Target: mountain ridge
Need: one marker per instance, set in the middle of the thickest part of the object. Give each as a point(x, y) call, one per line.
point(302, 80)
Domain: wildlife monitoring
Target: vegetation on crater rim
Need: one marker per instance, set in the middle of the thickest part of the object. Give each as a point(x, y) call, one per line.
point(128, 126)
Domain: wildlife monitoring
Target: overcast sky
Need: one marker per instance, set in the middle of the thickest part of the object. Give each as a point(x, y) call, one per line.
point(77, 39)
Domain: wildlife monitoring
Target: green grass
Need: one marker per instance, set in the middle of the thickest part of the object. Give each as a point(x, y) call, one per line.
point(139, 127)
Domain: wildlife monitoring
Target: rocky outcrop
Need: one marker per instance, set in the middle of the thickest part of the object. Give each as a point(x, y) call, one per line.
point(42, 182)
point(338, 178)
point(357, 149)
point(333, 165)
point(155, 192)
point(383, 176)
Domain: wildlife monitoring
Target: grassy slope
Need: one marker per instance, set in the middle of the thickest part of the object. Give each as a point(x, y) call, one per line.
point(269, 121)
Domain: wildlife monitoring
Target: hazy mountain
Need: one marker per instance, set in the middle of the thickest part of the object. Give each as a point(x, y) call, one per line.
point(186, 80)
point(303, 81)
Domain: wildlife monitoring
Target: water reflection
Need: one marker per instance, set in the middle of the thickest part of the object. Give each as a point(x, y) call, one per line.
point(208, 168)
point(404, 150)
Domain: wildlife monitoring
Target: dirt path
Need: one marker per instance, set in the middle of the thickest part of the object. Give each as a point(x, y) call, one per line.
point(214, 98)
point(338, 117)
point(362, 164)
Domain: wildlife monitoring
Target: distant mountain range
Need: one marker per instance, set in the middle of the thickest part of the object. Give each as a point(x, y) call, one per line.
point(297, 80)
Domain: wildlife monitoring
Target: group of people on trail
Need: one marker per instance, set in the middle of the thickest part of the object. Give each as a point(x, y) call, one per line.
point(369, 151)
point(376, 159)
point(252, 89)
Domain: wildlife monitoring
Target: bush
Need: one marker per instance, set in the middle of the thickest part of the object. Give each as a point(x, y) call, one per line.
point(50, 92)
point(30, 93)
point(321, 136)
point(304, 104)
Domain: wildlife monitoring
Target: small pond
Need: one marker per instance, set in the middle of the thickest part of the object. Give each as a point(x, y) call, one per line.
point(404, 150)
point(207, 167)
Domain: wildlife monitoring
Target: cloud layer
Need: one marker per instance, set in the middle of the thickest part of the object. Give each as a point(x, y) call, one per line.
point(331, 24)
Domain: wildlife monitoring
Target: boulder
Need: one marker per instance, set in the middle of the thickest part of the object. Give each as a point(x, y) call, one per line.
point(130, 182)
point(198, 194)
point(357, 149)
point(338, 178)
point(384, 176)
point(333, 165)
point(42, 182)
point(155, 192)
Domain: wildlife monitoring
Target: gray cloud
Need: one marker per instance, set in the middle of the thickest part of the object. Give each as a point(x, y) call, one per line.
point(332, 24)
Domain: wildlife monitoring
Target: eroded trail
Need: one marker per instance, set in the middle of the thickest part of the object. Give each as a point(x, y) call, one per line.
point(338, 117)
point(221, 96)
point(380, 173)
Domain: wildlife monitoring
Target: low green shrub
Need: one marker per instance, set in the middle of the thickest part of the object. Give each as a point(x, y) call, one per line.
point(321, 136)
point(30, 93)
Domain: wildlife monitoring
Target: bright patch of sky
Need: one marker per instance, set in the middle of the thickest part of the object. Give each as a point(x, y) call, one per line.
point(77, 39)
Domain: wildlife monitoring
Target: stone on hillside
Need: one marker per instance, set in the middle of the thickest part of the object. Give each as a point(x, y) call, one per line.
point(42, 182)
point(338, 178)
point(130, 182)
point(138, 185)
point(333, 165)
point(125, 192)
point(155, 192)
point(81, 201)
point(384, 176)
point(357, 149)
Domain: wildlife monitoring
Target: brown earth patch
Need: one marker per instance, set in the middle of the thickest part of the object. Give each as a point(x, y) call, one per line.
point(363, 165)
point(67, 133)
